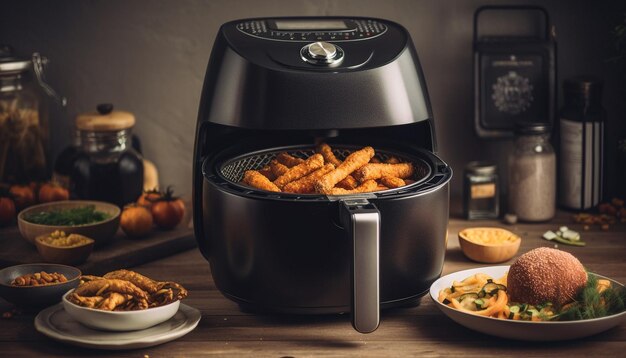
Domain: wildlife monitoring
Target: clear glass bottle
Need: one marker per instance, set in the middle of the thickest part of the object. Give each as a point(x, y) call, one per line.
point(24, 132)
point(532, 173)
point(481, 191)
point(107, 167)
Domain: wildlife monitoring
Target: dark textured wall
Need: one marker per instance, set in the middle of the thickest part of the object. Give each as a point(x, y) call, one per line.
point(149, 57)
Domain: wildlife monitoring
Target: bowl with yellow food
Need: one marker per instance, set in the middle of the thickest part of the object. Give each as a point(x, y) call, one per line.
point(489, 244)
point(61, 248)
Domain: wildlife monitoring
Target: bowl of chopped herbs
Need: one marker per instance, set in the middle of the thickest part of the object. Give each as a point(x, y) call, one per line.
point(95, 219)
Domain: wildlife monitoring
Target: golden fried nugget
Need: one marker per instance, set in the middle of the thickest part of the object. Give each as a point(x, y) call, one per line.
point(306, 185)
point(277, 168)
point(366, 187)
point(266, 171)
point(326, 151)
point(312, 163)
point(381, 188)
point(348, 183)
point(139, 280)
point(257, 180)
point(354, 161)
point(392, 182)
point(288, 160)
point(392, 160)
point(111, 301)
point(379, 170)
point(374, 160)
point(97, 287)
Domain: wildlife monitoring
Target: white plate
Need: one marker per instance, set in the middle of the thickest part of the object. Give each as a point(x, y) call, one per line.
point(55, 323)
point(521, 330)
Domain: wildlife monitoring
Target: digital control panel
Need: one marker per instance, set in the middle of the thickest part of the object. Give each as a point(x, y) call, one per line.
point(313, 29)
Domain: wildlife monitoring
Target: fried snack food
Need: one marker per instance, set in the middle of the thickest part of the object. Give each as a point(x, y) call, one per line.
point(374, 160)
point(379, 170)
point(288, 160)
point(392, 182)
point(348, 183)
point(259, 181)
point(366, 187)
point(306, 185)
point(267, 172)
point(312, 163)
point(124, 290)
point(326, 151)
point(354, 161)
point(277, 168)
point(392, 160)
point(39, 279)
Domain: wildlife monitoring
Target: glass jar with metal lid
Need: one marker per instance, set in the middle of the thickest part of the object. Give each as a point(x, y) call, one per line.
point(107, 167)
point(24, 132)
point(532, 173)
point(481, 191)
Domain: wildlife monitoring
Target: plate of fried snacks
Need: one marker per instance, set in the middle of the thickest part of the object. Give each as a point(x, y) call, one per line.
point(361, 171)
point(546, 295)
point(120, 310)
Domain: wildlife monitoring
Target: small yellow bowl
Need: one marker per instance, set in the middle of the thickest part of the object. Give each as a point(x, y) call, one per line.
point(73, 255)
point(489, 244)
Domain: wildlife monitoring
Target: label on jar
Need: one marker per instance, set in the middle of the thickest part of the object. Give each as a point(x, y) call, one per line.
point(481, 191)
point(581, 164)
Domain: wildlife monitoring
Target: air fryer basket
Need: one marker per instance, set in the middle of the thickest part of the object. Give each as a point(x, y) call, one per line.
point(232, 169)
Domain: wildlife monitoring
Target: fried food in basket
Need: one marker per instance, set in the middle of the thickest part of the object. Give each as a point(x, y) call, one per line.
point(259, 181)
point(125, 290)
point(362, 171)
point(312, 163)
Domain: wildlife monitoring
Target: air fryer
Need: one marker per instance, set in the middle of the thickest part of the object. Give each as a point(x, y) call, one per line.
point(283, 85)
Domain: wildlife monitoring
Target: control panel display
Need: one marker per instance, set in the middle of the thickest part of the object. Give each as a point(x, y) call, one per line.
point(311, 30)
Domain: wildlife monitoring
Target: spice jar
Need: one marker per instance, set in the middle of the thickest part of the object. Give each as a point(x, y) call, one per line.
point(24, 128)
point(481, 191)
point(107, 167)
point(532, 173)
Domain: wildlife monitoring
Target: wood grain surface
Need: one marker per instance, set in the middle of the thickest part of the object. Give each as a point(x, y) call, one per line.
point(417, 331)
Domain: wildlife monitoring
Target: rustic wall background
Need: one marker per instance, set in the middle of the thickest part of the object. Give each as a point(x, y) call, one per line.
point(149, 57)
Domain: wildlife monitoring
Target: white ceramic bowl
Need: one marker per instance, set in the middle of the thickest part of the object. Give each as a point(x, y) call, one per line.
point(119, 320)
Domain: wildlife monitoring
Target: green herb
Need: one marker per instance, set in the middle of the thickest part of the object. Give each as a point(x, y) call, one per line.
point(68, 217)
point(593, 304)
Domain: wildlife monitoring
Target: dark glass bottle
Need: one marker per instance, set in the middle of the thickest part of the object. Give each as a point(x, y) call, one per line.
point(107, 167)
point(581, 144)
point(64, 162)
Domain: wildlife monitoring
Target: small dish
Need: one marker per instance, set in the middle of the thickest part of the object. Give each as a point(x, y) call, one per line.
point(56, 323)
point(491, 249)
point(73, 255)
point(520, 330)
point(119, 320)
point(100, 232)
point(36, 297)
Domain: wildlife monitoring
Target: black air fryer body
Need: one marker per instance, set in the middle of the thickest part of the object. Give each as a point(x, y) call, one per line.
point(268, 89)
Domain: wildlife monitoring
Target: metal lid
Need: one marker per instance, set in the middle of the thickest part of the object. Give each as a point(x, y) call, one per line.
point(105, 119)
point(481, 168)
point(11, 64)
point(532, 128)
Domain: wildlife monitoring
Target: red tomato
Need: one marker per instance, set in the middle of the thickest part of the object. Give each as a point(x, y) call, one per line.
point(23, 195)
point(7, 211)
point(148, 197)
point(168, 211)
point(52, 192)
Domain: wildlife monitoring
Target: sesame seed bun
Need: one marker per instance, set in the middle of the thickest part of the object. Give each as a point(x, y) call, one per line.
point(545, 275)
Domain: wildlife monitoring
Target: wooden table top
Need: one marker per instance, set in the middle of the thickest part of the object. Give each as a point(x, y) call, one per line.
point(418, 331)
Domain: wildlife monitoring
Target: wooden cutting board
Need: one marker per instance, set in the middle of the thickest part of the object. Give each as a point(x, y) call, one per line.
point(121, 252)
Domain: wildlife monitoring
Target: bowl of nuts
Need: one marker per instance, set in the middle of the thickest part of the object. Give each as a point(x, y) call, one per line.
point(35, 286)
point(61, 248)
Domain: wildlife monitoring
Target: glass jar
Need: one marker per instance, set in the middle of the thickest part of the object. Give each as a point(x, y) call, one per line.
point(24, 132)
point(107, 167)
point(532, 173)
point(481, 191)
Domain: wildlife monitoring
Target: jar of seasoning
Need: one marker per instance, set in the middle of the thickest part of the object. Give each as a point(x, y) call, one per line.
point(107, 167)
point(24, 131)
point(481, 191)
point(532, 173)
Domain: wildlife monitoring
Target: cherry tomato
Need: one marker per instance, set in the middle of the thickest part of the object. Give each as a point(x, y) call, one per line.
point(23, 195)
point(7, 211)
point(52, 192)
point(168, 211)
point(136, 221)
point(148, 197)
